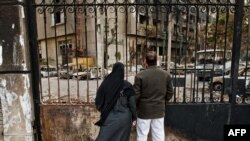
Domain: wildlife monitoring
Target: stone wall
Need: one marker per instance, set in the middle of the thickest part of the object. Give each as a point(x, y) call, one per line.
point(76, 123)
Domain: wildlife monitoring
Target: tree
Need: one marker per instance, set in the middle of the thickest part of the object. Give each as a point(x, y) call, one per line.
point(221, 36)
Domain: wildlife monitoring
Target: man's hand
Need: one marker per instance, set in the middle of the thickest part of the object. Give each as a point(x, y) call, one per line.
point(134, 123)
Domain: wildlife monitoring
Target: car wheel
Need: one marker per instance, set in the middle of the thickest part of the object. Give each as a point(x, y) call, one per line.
point(217, 86)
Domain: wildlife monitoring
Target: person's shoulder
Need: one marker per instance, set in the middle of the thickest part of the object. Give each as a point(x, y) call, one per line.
point(160, 69)
point(140, 73)
point(163, 71)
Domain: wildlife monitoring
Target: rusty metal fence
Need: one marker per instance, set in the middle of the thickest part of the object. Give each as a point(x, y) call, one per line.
point(79, 40)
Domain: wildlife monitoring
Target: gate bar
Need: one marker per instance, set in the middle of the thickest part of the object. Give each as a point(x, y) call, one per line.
point(236, 48)
point(32, 34)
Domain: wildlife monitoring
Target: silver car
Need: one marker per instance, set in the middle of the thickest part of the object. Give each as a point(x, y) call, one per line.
point(223, 82)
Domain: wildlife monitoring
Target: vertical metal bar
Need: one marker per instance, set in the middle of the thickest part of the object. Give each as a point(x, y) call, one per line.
point(116, 32)
point(205, 45)
point(224, 55)
point(196, 82)
point(156, 29)
point(126, 39)
point(46, 50)
point(56, 48)
point(204, 71)
point(238, 17)
point(147, 34)
point(76, 21)
point(247, 54)
point(76, 34)
point(136, 37)
point(169, 33)
point(175, 56)
point(185, 55)
point(96, 49)
point(86, 45)
point(33, 47)
point(215, 47)
point(165, 36)
point(106, 38)
point(76, 56)
point(66, 44)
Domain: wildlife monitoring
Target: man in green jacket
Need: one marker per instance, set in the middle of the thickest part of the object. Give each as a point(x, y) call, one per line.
point(154, 88)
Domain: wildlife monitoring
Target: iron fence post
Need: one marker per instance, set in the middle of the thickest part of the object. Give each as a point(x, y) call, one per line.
point(32, 35)
point(238, 17)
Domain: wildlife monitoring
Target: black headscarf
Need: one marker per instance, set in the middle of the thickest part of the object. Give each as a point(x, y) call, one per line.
point(109, 91)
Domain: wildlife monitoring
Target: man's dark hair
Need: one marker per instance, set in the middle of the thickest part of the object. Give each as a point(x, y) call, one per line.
point(151, 58)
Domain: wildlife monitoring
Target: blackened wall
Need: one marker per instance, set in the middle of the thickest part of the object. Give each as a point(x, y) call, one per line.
point(205, 121)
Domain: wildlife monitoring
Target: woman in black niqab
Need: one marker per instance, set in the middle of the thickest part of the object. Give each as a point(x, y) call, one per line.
point(116, 102)
point(108, 92)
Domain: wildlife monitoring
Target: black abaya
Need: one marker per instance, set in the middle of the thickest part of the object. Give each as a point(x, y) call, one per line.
point(117, 110)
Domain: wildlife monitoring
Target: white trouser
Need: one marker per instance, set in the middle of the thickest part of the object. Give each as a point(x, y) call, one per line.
point(157, 129)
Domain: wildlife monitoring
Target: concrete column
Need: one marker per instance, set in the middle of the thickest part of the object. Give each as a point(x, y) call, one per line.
point(15, 74)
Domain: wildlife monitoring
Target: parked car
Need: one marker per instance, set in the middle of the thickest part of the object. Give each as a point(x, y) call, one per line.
point(48, 71)
point(190, 68)
point(64, 74)
point(212, 63)
point(178, 69)
point(81, 75)
point(90, 73)
point(217, 83)
point(68, 70)
point(95, 73)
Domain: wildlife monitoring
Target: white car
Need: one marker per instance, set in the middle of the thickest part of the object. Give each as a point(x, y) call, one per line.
point(48, 71)
point(95, 73)
point(81, 75)
point(90, 73)
point(64, 74)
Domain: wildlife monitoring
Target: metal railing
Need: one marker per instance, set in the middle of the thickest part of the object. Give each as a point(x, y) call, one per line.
point(80, 40)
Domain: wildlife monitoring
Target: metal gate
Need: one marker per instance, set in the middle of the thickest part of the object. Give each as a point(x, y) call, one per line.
point(204, 44)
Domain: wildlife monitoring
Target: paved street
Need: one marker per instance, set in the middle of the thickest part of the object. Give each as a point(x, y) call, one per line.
point(63, 87)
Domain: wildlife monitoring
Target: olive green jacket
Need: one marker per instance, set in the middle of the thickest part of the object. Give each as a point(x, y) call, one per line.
point(154, 88)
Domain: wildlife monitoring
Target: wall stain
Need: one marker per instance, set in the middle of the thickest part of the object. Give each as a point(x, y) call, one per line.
point(69, 122)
